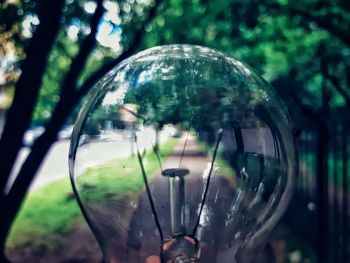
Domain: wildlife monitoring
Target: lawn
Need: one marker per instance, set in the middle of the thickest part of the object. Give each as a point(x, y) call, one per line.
point(50, 212)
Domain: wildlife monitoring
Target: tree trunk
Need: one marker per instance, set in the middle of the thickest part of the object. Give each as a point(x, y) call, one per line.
point(3, 258)
point(345, 190)
point(322, 192)
point(156, 144)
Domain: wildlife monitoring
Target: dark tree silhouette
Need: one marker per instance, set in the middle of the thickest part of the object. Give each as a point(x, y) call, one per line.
point(19, 115)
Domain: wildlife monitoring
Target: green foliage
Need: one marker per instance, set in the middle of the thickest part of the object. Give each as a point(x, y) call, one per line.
point(58, 65)
point(277, 38)
point(267, 35)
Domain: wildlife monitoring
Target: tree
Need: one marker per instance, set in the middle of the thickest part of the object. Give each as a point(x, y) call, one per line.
point(72, 89)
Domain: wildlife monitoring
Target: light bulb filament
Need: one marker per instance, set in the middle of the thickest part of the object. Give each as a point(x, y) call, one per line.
point(144, 175)
point(133, 113)
point(183, 150)
point(158, 158)
point(208, 182)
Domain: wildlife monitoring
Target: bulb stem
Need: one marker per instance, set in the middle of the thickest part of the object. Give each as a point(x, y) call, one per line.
point(177, 199)
point(177, 204)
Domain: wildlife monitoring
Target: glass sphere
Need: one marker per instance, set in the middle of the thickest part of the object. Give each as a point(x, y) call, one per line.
point(182, 154)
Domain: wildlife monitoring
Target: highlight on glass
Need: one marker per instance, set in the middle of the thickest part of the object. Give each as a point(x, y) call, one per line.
point(182, 154)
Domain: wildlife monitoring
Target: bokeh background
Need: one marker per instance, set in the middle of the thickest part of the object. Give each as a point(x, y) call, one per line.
point(51, 52)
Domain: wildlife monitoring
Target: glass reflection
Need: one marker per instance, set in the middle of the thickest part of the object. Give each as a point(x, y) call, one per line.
point(181, 154)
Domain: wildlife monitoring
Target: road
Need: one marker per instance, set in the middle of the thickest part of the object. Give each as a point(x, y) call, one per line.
point(55, 165)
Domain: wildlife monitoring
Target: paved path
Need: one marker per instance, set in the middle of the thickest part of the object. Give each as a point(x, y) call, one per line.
point(55, 165)
point(142, 235)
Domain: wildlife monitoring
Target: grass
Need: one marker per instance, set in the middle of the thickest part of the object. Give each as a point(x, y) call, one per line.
point(45, 213)
point(50, 212)
point(121, 176)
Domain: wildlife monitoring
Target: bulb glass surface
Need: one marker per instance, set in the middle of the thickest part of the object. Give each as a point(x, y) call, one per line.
point(182, 154)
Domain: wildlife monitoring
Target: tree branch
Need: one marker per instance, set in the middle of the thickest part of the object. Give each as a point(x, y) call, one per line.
point(336, 84)
point(40, 148)
point(325, 23)
point(288, 88)
point(308, 111)
point(28, 85)
point(85, 87)
point(347, 75)
point(62, 110)
point(79, 62)
point(325, 63)
point(17, 192)
point(26, 94)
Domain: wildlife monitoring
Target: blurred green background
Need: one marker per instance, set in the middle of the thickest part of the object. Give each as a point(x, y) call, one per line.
point(300, 47)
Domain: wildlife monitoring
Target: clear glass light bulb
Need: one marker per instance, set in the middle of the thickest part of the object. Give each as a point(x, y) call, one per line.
point(181, 154)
